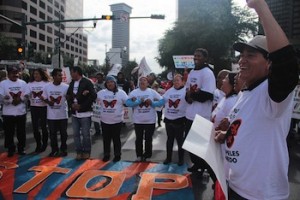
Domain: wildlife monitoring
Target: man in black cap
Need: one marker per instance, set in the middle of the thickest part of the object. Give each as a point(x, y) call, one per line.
point(13, 95)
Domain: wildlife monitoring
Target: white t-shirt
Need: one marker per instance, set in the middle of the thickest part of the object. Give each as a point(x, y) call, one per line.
point(218, 96)
point(257, 156)
point(175, 104)
point(13, 89)
point(144, 114)
point(35, 90)
point(56, 93)
point(204, 80)
point(112, 108)
point(223, 108)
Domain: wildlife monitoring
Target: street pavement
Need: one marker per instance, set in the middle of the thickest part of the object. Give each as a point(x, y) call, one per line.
point(201, 191)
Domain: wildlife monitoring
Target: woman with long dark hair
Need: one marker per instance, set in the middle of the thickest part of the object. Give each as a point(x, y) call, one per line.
point(38, 108)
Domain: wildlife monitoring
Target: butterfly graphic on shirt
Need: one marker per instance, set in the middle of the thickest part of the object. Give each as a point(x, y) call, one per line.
point(193, 88)
point(56, 100)
point(109, 103)
point(15, 95)
point(37, 94)
point(144, 103)
point(232, 132)
point(174, 103)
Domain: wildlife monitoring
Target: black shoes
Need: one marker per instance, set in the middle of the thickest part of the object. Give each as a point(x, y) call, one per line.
point(106, 158)
point(21, 152)
point(63, 154)
point(117, 158)
point(194, 168)
point(167, 161)
point(180, 163)
point(54, 154)
point(10, 154)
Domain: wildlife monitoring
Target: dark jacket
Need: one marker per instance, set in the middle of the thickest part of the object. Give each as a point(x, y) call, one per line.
point(85, 101)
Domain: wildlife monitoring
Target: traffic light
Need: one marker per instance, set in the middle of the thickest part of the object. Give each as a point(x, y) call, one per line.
point(157, 17)
point(20, 50)
point(108, 17)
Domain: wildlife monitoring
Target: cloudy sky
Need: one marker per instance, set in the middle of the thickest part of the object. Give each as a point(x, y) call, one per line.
point(144, 33)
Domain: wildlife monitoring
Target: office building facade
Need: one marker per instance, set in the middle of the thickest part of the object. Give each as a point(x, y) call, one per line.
point(44, 37)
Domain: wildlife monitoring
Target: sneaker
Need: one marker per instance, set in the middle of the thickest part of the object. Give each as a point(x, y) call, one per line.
point(117, 158)
point(167, 161)
point(106, 158)
point(78, 156)
point(85, 156)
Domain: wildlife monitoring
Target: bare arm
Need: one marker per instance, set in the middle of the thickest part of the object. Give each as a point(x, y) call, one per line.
point(276, 38)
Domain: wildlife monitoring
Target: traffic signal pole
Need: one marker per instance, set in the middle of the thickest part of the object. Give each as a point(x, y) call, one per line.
point(104, 17)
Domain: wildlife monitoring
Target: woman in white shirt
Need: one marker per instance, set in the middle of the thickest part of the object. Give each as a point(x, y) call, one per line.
point(112, 102)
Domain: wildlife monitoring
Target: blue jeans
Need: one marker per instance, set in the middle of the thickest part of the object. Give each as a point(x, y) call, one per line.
point(82, 137)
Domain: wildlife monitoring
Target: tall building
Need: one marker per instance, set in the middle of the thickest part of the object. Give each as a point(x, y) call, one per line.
point(119, 53)
point(287, 13)
point(44, 37)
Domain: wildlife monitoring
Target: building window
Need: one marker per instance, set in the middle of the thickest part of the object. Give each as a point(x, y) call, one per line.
point(50, 1)
point(49, 29)
point(49, 18)
point(42, 4)
point(33, 44)
point(42, 47)
point(49, 49)
point(33, 10)
point(42, 15)
point(49, 9)
point(32, 20)
point(34, 1)
point(42, 26)
point(24, 5)
point(49, 40)
point(42, 37)
point(56, 4)
point(56, 14)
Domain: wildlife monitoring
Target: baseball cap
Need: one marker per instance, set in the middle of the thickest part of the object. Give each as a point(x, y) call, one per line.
point(258, 43)
point(12, 68)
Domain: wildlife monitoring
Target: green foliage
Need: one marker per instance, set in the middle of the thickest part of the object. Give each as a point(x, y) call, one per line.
point(214, 25)
point(8, 48)
point(128, 68)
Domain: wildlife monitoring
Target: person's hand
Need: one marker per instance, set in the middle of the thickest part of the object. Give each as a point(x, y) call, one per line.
point(85, 92)
point(133, 99)
point(254, 3)
point(148, 102)
point(220, 136)
point(223, 126)
point(75, 106)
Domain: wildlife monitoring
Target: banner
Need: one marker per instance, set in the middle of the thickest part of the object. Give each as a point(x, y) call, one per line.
point(34, 177)
point(184, 61)
point(144, 68)
point(96, 117)
point(200, 141)
point(127, 118)
point(116, 68)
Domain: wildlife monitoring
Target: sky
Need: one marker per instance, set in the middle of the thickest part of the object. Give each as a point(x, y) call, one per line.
point(144, 33)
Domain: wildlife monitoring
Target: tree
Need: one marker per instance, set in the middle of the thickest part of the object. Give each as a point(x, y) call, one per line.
point(8, 48)
point(214, 25)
